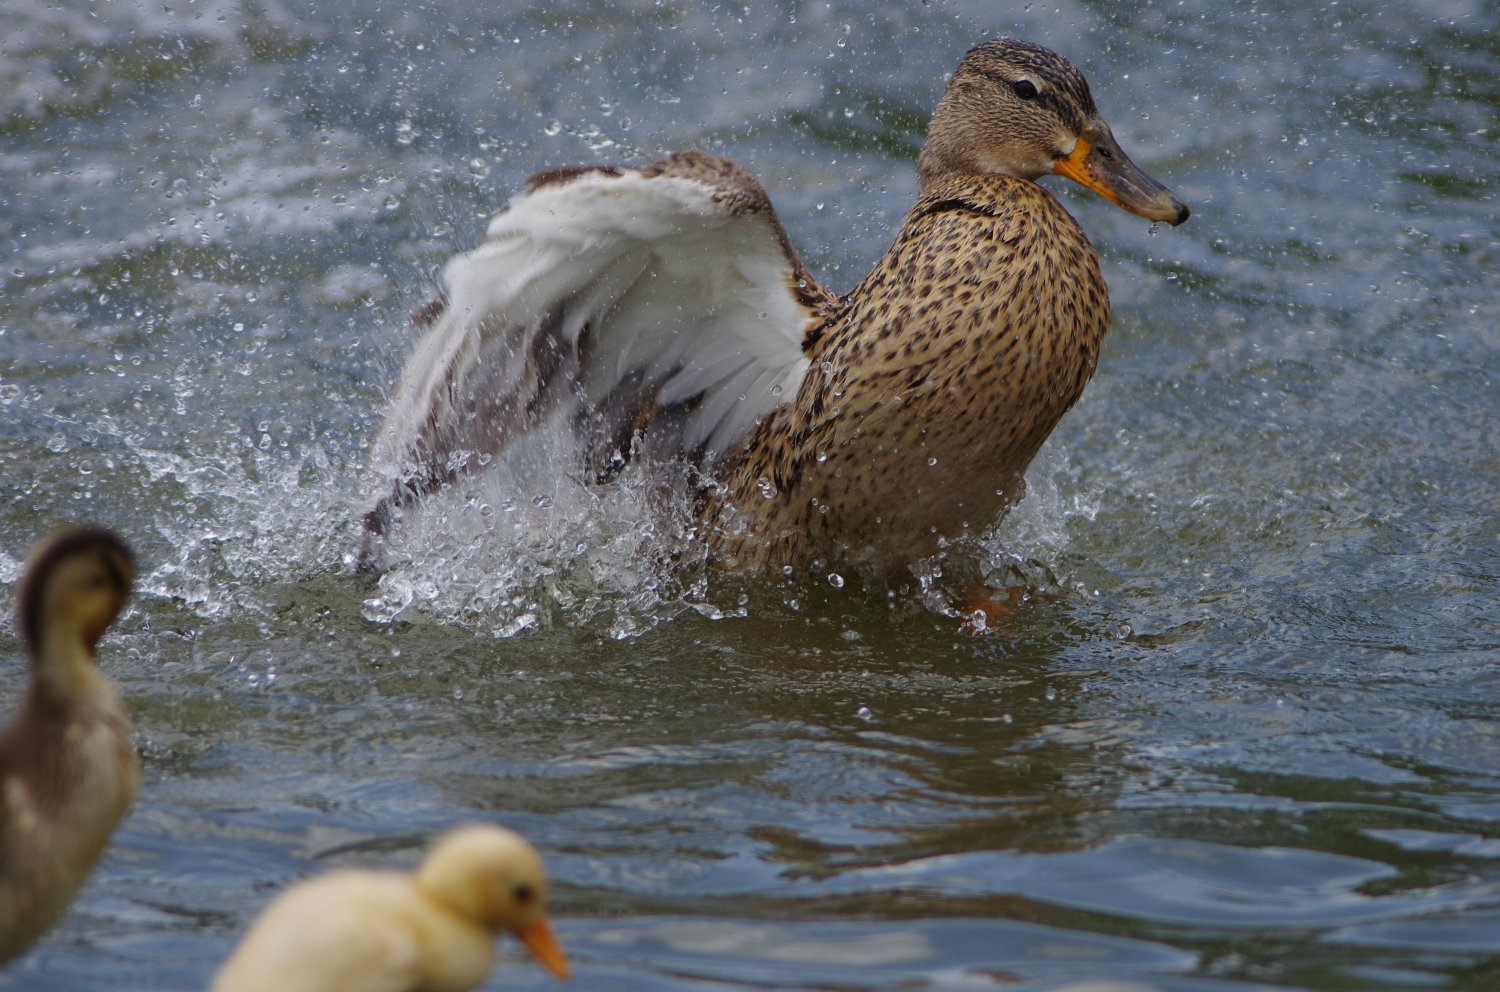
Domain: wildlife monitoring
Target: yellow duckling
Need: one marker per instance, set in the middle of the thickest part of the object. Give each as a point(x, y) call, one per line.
point(367, 931)
point(68, 773)
point(663, 312)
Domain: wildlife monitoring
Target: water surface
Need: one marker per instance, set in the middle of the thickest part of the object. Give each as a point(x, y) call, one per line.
point(1246, 737)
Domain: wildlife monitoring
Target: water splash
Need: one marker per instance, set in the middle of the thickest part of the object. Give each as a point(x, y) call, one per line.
point(526, 546)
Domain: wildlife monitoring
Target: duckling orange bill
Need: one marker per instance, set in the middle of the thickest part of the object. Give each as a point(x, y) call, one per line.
point(1097, 162)
point(541, 940)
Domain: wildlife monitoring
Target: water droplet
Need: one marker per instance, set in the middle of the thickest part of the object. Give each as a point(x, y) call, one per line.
point(836, 580)
point(767, 487)
point(866, 714)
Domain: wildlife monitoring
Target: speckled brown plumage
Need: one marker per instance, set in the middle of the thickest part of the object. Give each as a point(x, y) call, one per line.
point(931, 390)
point(936, 382)
point(860, 431)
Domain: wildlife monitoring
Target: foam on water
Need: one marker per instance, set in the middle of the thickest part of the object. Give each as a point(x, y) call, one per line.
point(1264, 690)
point(528, 542)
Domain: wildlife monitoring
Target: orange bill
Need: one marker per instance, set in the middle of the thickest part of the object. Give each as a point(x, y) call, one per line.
point(1098, 162)
point(542, 942)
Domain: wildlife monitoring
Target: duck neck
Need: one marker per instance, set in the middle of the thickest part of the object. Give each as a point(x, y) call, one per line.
point(65, 672)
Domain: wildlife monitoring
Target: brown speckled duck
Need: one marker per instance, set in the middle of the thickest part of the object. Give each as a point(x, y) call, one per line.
point(68, 773)
point(662, 311)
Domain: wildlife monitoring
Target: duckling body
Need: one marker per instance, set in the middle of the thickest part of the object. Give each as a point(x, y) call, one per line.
point(68, 772)
point(434, 931)
point(664, 310)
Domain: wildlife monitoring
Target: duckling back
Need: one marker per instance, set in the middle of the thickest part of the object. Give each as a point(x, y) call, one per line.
point(68, 772)
point(357, 931)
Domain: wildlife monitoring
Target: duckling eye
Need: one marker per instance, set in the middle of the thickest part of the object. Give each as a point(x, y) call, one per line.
point(523, 894)
point(1025, 89)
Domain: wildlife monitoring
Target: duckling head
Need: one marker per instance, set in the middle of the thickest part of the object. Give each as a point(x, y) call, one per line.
point(1018, 109)
point(76, 584)
point(494, 877)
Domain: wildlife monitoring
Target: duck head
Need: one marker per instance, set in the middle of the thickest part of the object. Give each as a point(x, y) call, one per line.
point(493, 876)
point(1018, 109)
point(76, 583)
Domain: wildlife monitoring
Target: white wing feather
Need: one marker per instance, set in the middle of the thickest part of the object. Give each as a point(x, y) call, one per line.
point(609, 292)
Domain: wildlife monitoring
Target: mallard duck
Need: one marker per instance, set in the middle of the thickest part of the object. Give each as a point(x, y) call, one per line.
point(68, 772)
point(369, 931)
point(663, 311)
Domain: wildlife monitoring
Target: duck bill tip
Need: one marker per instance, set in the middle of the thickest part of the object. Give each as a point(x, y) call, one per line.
point(1166, 208)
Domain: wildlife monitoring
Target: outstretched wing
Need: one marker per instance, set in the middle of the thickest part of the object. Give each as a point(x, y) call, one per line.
point(631, 297)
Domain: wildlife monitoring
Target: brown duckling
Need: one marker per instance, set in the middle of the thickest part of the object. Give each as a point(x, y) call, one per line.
point(662, 311)
point(68, 772)
point(372, 931)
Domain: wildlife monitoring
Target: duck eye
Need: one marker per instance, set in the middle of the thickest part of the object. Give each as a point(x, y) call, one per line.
point(1025, 89)
point(523, 894)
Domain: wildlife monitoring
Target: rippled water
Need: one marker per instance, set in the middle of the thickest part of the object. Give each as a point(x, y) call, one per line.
point(1245, 738)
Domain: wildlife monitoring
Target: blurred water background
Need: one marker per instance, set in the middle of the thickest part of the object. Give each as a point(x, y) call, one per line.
point(1247, 735)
